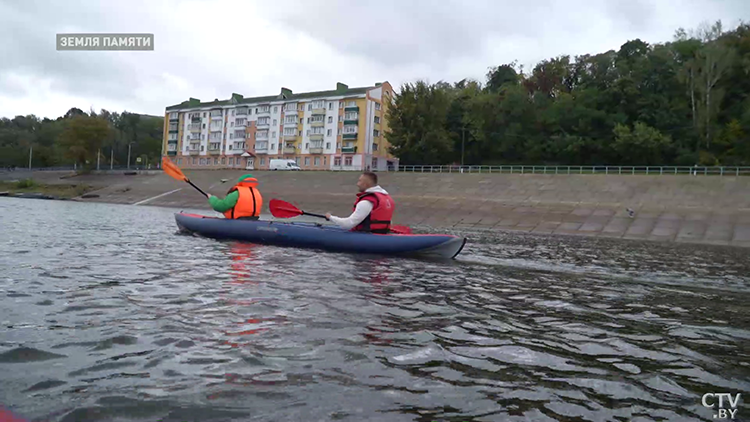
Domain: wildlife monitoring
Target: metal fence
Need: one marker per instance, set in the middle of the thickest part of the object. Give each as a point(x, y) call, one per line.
point(71, 168)
point(624, 170)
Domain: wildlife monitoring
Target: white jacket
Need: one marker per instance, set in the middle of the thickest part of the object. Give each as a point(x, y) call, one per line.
point(361, 212)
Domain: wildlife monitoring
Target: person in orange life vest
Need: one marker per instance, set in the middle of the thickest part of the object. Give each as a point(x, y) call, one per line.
point(373, 208)
point(243, 200)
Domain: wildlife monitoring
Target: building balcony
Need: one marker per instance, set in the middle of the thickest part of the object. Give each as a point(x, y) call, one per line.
point(262, 112)
point(261, 149)
point(315, 111)
point(195, 120)
point(316, 150)
point(320, 123)
point(289, 150)
point(351, 108)
point(316, 137)
point(350, 135)
point(349, 150)
point(289, 137)
point(174, 118)
point(194, 151)
point(214, 151)
point(351, 122)
point(194, 127)
point(216, 117)
point(171, 152)
point(240, 124)
point(290, 111)
point(293, 123)
point(262, 124)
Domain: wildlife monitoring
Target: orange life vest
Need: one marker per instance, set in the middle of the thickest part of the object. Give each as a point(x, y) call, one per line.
point(379, 219)
point(249, 202)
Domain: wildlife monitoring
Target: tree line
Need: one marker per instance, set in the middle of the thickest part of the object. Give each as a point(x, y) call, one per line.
point(683, 102)
point(77, 137)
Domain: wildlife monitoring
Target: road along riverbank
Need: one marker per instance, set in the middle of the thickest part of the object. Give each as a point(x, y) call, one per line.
point(697, 209)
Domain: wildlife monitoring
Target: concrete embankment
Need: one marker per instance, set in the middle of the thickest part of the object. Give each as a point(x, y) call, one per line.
point(699, 209)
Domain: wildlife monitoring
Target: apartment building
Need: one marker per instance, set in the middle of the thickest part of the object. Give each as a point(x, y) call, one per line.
point(341, 129)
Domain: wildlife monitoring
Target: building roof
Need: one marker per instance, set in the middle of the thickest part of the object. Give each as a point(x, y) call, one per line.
point(286, 94)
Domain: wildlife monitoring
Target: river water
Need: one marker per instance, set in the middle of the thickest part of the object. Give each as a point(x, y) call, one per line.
point(107, 314)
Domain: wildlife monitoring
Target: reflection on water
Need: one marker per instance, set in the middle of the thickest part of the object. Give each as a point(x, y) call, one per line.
point(107, 314)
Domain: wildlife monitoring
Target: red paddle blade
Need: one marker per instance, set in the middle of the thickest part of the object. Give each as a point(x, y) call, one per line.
point(283, 209)
point(400, 229)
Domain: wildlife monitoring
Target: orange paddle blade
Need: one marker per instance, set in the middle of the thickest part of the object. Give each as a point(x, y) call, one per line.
point(283, 209)
point(171, 169)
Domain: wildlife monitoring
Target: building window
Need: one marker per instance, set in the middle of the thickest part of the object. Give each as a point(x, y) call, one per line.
point(275, 110)
point(262, 161)
point(376, 133)
point(231, 160)
point(309, 107)
point(374, 163)
point(325, 161)
point(329, 132)
point(348, 161)
point(377, 119)
point(307, 161)
point(300, 133)
point(330, 119)
point(337, 161)
point(273, 134)
point(341, 118)
point(377, 106)
point(274, 122)
point(302, 120)
point(317, 161)
point(328, 145)
point(330, 106)
point(216, 161)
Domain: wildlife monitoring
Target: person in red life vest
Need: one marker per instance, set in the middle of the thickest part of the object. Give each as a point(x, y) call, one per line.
point(373, 209)
point(243, 200)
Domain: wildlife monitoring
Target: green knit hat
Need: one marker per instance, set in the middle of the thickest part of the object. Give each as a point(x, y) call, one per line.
point(245, 177)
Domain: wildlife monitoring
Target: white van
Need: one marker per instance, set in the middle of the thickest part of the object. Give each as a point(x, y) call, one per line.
point(283, 165)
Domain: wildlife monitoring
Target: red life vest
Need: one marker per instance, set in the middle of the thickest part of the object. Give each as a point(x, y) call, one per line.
point(379, 219)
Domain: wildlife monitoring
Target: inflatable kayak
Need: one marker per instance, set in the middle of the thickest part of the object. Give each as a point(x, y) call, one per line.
point(318, 236)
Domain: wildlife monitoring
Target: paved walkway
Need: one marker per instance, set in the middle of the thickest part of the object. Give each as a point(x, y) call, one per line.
point(700, 209)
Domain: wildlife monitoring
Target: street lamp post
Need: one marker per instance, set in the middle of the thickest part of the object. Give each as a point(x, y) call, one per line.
point(463, 140)
point(129, 155)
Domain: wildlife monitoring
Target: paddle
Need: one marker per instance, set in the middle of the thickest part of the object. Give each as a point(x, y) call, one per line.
point(283, 209)
point(171, 169)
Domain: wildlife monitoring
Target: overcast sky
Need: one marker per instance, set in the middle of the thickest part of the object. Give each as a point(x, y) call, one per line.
point(209, 49)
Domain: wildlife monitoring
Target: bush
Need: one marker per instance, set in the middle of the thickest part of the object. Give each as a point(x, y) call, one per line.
point(26, 183)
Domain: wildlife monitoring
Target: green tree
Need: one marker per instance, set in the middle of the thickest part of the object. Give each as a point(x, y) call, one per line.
point(82, 138)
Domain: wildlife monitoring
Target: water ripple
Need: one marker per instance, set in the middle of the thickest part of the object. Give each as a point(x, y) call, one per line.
point(108, 314)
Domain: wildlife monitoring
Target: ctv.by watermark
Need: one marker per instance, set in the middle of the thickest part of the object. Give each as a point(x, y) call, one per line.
point(105, 42)
point(718, 402)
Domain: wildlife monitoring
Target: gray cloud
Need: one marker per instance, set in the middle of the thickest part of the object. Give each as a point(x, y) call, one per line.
point(405, 32)
point(32, 27)
point(210, 49)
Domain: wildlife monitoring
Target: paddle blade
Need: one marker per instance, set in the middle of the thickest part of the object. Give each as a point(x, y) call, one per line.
point(172, 170)
point(400, 229)
point(283, 209)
